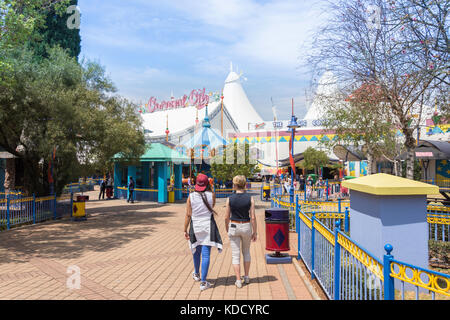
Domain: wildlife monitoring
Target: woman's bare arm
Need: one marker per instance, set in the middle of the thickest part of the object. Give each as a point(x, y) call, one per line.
point(253, 220)
point(187, 218)
point(227, 214)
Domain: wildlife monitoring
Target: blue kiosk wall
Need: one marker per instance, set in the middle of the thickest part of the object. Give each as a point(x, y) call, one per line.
point(153, 172)
point(178, 181)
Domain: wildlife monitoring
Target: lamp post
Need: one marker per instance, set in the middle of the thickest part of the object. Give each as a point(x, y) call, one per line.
point(292, 126)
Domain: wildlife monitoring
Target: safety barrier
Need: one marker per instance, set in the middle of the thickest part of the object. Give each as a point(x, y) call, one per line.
point(438, 218)
point(347, 271)
point(138, 194)
point(30, 210)
point(329, 212)
point(443, 183)
point(419, 278)
point(326, 212)
point(331, 190)
point(145, 195)
point(79, 187)
point(223, 193)
point(152, 194)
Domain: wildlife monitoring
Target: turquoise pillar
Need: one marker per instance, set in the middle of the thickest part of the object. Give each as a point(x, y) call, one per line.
point(163, 175)
point(117, 179)
point(131, 173)
point(178, 181)
point(146, 175)
point(155, 175)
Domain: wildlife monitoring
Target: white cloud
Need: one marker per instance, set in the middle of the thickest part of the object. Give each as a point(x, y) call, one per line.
point(178, 45)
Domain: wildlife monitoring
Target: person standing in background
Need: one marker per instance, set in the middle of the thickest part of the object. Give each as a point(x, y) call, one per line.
point(302, 182)
point(130, 190)
point(102, 189)
point(320, 187)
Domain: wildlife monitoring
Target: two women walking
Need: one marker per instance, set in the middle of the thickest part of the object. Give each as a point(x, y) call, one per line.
point(240, 223)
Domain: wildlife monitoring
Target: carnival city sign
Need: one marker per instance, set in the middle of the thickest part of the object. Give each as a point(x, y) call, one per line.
point(197, 98)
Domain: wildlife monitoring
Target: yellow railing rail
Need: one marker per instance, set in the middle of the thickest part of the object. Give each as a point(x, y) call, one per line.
point(45, 198)
point(371, 264)
point(432, 284)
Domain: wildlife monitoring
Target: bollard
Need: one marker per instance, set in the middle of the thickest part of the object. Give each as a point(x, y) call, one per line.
point(337, 262)
point(297, 223)
point(313, 236)
point(346, 220)
point(297, 212)
point(71, 205)
point(8, 226)
point(389, 293)
point(34, 209)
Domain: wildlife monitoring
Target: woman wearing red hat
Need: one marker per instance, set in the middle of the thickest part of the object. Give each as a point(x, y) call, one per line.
point(203, 232)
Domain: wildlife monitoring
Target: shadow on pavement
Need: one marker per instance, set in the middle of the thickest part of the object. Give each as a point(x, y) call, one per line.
point(226, 281)
point(66, 239)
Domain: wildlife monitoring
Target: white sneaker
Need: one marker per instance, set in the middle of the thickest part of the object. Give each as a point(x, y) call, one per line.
point(238, 283)
point(246, 279)
point(205, 285)
point(196, 276)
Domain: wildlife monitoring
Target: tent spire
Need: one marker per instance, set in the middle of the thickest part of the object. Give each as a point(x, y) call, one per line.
point(167, 128)
point(206, 123)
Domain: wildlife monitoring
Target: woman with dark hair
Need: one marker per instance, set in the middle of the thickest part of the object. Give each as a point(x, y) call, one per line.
point(203, 232)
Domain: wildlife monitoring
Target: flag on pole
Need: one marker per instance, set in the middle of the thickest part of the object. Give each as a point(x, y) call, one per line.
point(291, 158)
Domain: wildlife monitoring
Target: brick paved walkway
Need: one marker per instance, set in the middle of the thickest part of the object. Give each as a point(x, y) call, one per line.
point(134, 251)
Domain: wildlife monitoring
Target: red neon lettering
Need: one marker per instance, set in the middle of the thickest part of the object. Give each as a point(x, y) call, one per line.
point(197, 98)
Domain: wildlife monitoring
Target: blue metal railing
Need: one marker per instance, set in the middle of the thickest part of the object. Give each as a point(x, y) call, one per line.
point(30, 210)
point(347, 271)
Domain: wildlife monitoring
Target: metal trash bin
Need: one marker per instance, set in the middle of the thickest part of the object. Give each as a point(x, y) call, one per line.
point(171, 197)
point(79, 211)
point(82, 198)
point(277, 235)
point(266, 193)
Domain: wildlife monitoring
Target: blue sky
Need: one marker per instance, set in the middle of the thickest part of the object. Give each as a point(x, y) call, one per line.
point(151, 48)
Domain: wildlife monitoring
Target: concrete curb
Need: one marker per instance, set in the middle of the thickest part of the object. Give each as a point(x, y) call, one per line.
point(305, 280)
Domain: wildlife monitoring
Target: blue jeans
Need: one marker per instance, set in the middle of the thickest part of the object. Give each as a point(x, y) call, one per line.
point(205, 252)
point(320, 193)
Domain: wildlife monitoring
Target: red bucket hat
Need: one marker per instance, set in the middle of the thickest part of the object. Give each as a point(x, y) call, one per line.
point(201, 183)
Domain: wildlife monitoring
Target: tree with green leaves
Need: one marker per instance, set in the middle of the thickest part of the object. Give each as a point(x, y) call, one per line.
point(20, 18)
point(314, 159)
point(18, 21)
point(55, 112)
point(235, 160)
point(56, 106)
point(54, 31)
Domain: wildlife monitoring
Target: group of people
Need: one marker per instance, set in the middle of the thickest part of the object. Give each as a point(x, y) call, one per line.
point(312, 189)
point(106, 184)
point(200, 228)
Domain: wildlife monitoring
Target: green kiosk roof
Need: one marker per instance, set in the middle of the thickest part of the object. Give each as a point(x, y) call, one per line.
point(158, 152)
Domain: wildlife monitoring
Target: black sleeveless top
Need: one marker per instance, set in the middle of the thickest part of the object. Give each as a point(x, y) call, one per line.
point(240, 204)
